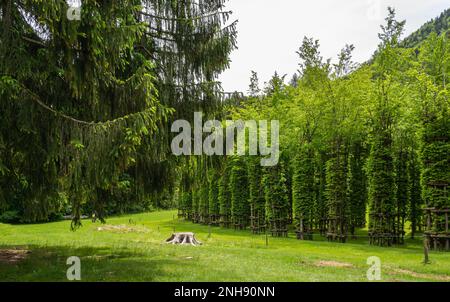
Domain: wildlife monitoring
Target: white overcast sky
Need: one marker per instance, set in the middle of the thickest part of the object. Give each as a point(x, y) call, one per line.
point(271, 31)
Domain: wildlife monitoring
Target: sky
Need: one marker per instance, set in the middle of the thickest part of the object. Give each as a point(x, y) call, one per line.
point(271, 31)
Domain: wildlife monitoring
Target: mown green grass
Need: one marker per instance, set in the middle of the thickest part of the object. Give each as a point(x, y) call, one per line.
point(226, 255)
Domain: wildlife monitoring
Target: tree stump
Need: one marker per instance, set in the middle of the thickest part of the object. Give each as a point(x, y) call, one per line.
point(183, 238)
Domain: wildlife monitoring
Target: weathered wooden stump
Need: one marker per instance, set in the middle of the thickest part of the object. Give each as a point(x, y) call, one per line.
point(183, 238)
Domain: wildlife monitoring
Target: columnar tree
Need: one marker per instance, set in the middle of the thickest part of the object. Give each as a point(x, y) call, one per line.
point(313, 73)
point(357, 187)
point(320, 202)
point(204, 202)
point(224, 194)
point(256, 195)
point(415, 194)
point(303, 192)
point(186, 205)
point(342, 115)
point(381, 166)
point(277, 201)
point(432, 76)
point(195, 205)
point(240, 208)
point(213, 196)
point(336, 189)
point(401, 193)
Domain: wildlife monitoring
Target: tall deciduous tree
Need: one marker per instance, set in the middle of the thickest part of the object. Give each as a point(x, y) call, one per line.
point(240, 208)
point(277, 200)
point(432, 78)
point(382, 200)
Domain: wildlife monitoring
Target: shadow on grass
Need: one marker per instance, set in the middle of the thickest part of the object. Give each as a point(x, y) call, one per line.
point(48, 263)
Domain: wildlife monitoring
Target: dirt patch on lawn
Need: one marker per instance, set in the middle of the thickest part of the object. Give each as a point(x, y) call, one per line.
point(420, 275)
point(13, 255)
point(324, 263)
point(122, 229)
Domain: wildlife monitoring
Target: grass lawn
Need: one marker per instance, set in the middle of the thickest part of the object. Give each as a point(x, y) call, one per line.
point(137, 253)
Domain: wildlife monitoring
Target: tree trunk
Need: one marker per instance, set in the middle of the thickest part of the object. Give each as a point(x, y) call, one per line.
point(183, 238)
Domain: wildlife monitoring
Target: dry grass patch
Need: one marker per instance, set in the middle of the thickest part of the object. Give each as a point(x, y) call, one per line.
point(13, 255)
point(324, 263)
point(399, 271)
point(122, 229)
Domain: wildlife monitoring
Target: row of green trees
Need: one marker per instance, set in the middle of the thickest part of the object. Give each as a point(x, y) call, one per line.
point(360, 145)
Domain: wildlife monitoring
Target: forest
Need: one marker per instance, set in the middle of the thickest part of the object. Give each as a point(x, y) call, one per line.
point(86, 109)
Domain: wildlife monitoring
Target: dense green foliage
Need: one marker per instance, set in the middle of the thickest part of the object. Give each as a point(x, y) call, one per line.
point(303, 194)
point(359, 144)
point(438, 25)
point(356, 187)
point(238, 186)
point(277, 200)
point(224, 195)
point(256, 196)
point(85, 104)
point(213, 198)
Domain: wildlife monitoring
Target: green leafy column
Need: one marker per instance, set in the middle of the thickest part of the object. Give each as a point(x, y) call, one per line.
point(224, 196)
point(240, 208)
point(213, 196)
point(185, 205)
point(357, 188)
point(195, 206)
point(336, 188)
point(415, 195)
point(256, 196)
point(433, 75)
point(204, 202)
point(436, 179)
point(402, 195)
point(320, 202)
point(277, 200)
point(303, 193)
point(381, 191)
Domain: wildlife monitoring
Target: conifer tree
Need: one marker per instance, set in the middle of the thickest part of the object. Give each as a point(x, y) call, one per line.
point(253, 89)
point(106, 88)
